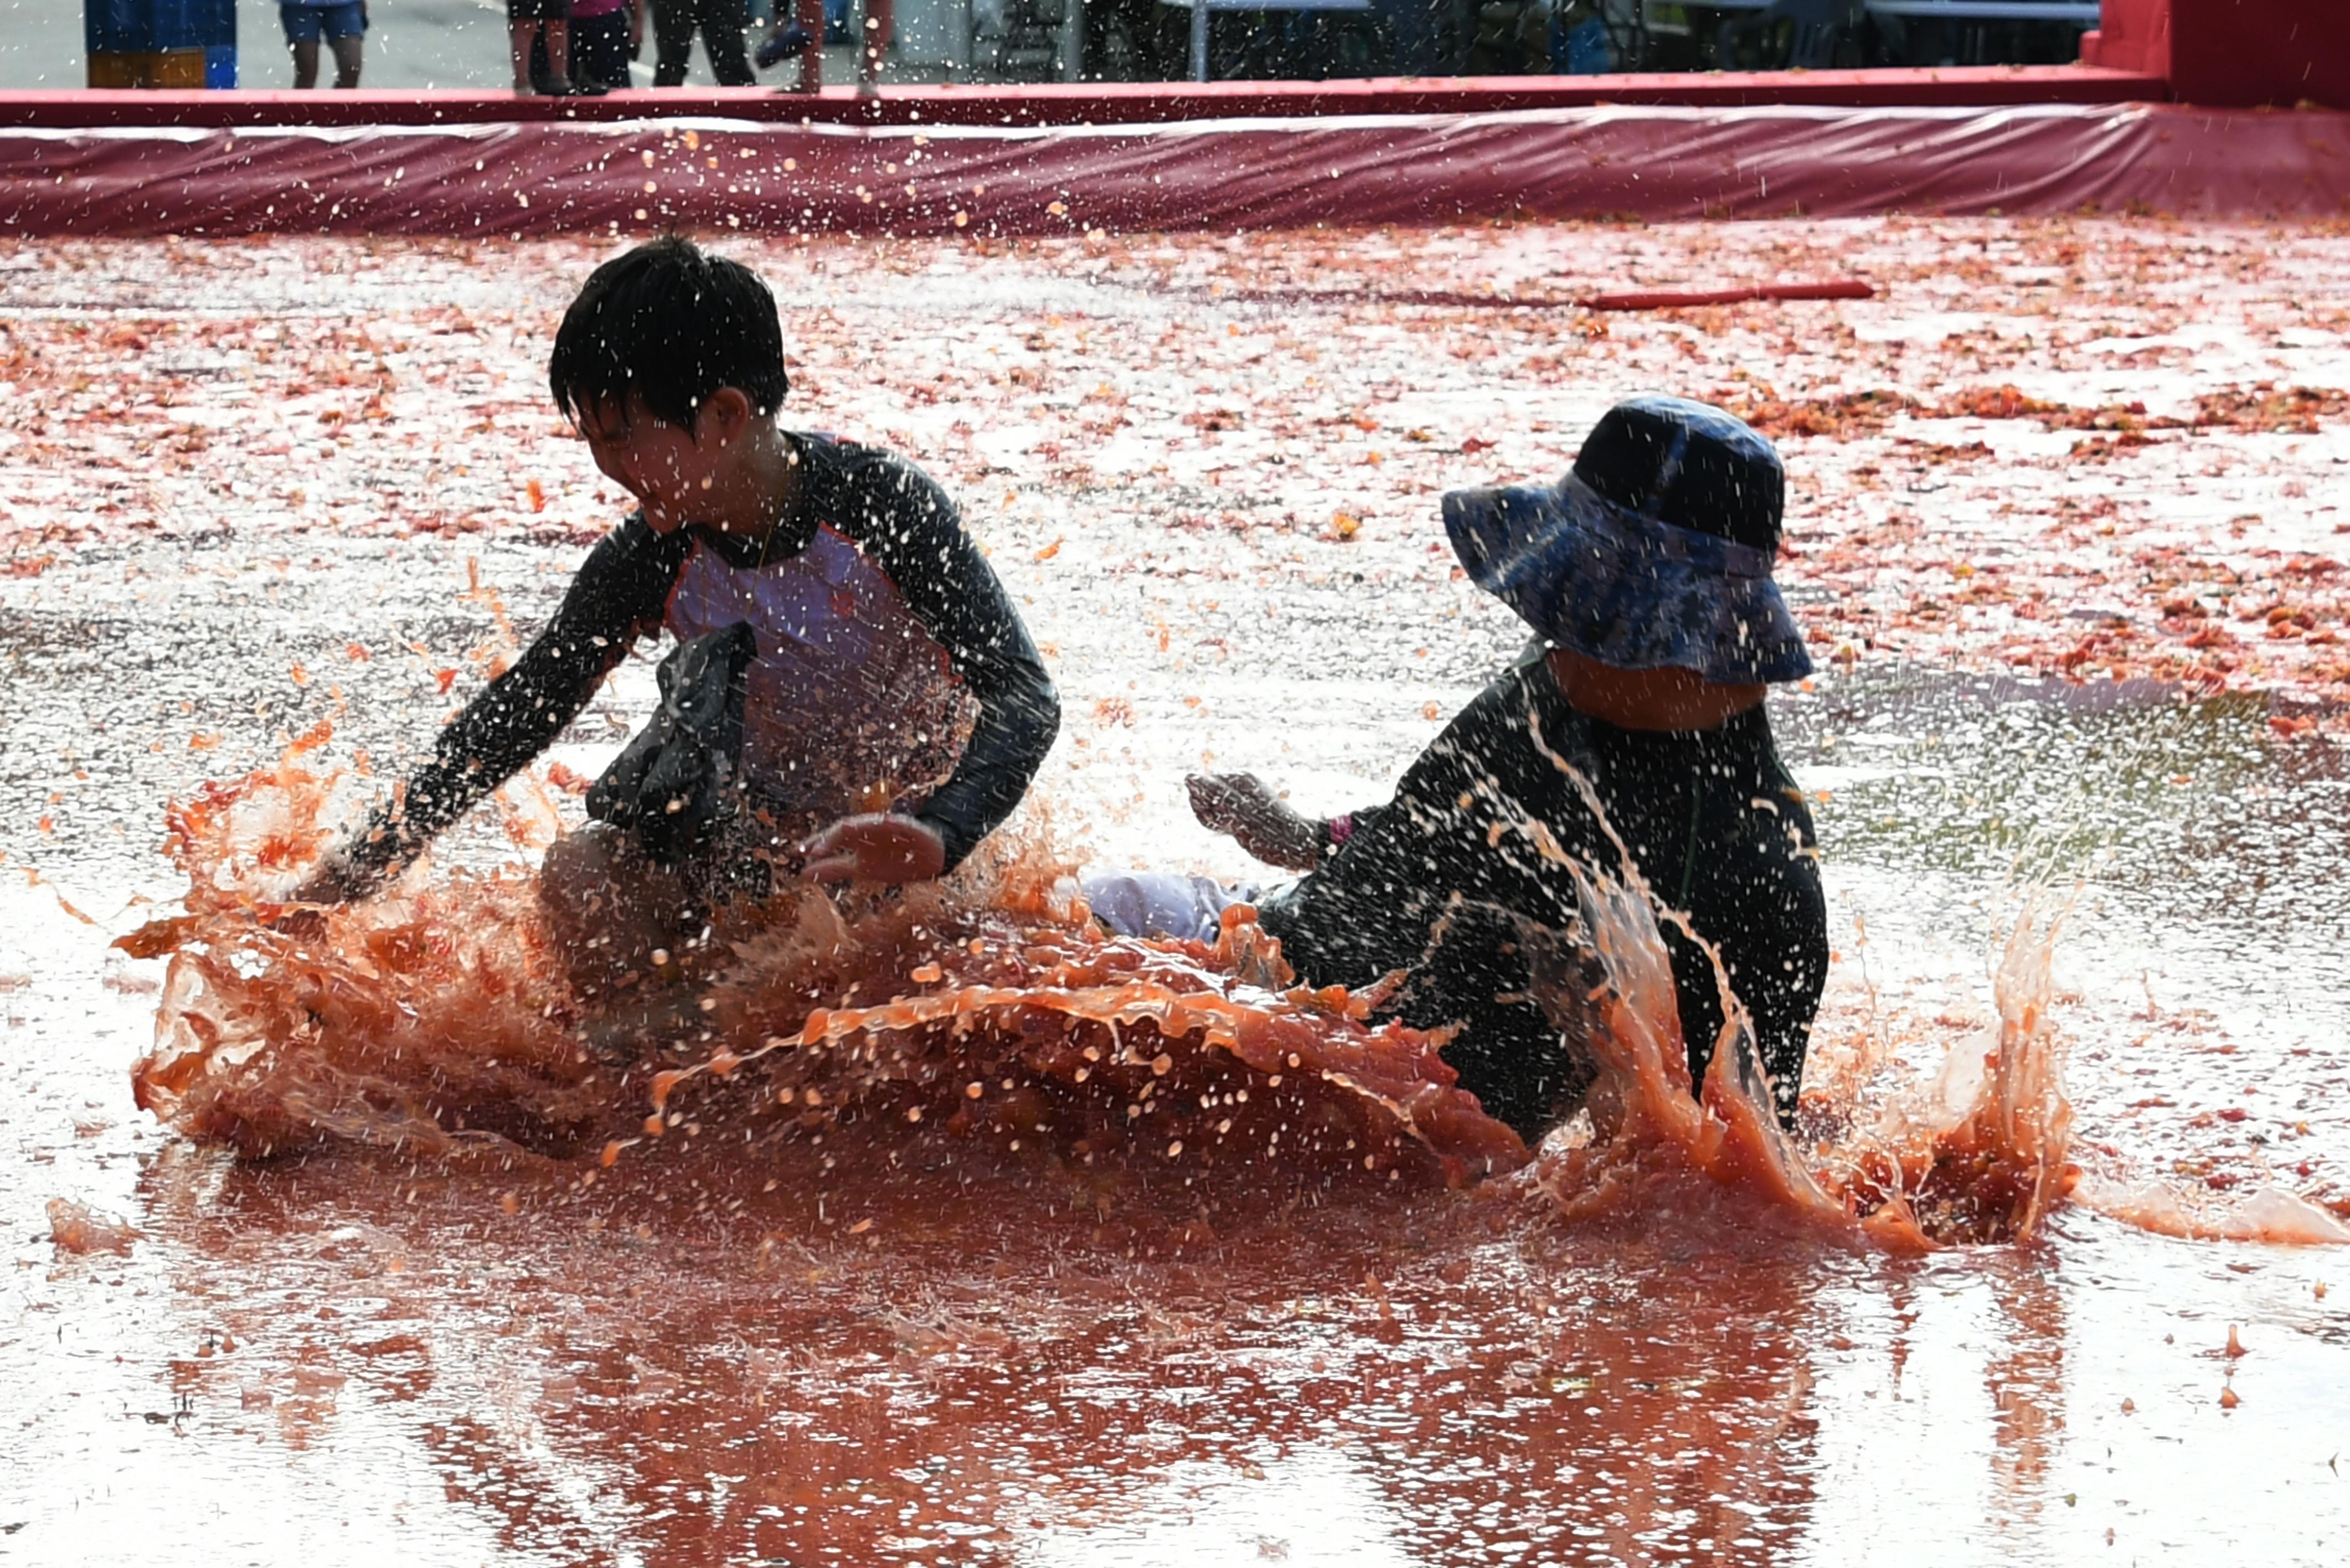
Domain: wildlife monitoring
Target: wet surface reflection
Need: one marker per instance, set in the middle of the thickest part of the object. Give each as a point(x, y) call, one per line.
point(957, 1357)
point(2202, 1012)
point(468, 1361)
point(1407, 1382)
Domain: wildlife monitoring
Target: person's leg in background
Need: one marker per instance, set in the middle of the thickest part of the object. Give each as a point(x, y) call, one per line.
point(558, 49)
point(520, 32)
point(673, 24)
point(813, 20)
point(793, 29)
point(346, 30)
point(880, 32)
point(599, 49)
point(722, 22)
point(302, 42)
point(545, 24)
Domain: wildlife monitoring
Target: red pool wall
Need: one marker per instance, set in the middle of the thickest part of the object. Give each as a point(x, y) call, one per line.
point(1658, 163)
point(1225, 155)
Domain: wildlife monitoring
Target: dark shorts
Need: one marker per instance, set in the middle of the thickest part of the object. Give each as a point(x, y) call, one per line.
point(309, 24)
point(599, 49)
point(538, 10)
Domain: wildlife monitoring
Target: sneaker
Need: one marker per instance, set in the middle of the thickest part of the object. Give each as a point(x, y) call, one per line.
point(783, 43)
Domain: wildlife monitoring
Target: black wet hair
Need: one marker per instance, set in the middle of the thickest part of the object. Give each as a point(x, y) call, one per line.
point(669, 324)
point(1689, 464)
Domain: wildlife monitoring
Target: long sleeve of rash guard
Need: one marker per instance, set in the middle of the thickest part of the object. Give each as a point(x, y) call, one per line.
point(909, 528)
point(616, 598)
point(1366, 818)
point(906, 525)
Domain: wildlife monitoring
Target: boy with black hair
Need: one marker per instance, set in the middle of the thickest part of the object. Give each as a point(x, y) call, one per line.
point(883, 712)
point(1646, 573)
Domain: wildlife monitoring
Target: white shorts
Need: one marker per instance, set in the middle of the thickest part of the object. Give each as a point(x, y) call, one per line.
point(1161, 904)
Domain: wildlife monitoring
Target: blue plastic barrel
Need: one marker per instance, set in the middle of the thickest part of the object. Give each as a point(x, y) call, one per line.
point(166, 26)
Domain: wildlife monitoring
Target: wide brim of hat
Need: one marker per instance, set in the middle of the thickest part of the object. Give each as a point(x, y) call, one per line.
point(1628, 591)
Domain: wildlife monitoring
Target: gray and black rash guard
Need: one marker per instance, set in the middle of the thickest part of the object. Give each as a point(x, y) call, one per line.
point(880, 630)
point(1432, 884)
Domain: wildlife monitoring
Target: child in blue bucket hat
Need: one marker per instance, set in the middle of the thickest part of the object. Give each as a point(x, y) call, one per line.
point(1645, 573)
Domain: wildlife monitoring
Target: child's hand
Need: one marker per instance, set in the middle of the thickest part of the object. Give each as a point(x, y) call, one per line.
point(876, 847)
point(1245, 807)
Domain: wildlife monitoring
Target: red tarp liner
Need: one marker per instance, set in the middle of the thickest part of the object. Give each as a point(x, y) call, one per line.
point(1649, 163)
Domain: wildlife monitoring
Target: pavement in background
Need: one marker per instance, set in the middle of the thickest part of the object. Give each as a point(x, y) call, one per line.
point(409, 44)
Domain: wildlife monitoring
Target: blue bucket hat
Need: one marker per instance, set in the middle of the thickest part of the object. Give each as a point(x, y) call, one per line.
point(1654, 553)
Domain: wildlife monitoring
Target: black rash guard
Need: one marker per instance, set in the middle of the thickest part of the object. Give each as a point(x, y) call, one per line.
point(899, 520)
point(1711, 818)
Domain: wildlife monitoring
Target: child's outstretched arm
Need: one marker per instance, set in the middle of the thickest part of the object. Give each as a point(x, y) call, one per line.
point(1247, 809)
point(616, 598)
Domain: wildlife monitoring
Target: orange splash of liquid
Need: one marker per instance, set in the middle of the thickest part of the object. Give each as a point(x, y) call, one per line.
point(1988, 1166)
point(423, 1022)
point(992, 1008)
point(2268, 1213)
point(988, 1006)
point(1985, 1169)
point(1986, 1157)
point(76, 1227)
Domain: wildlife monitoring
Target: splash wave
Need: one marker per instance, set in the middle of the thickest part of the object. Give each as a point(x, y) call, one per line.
point(427, 1020)
point(439, 1019)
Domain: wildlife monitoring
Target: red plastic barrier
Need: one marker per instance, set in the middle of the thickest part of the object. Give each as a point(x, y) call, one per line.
point(1675, 299)
point(1101, 103)
point(2261, 51)
point(1655, 163)
point(2231, 52)
point(2130, 36)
